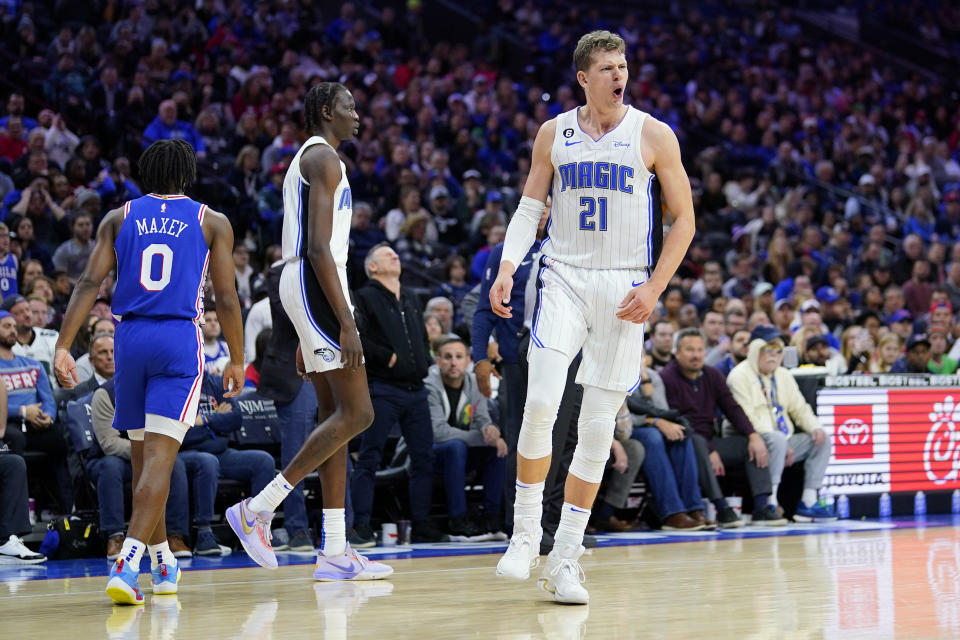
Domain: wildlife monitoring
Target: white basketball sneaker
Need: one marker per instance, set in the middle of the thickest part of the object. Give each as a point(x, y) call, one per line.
point(523, 553)
point(563, 576)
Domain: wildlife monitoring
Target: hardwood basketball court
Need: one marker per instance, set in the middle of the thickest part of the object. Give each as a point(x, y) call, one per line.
point(854, 580)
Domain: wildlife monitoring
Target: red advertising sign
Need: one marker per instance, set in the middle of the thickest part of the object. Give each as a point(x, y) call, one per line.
point(853, 431)
point(924, 439)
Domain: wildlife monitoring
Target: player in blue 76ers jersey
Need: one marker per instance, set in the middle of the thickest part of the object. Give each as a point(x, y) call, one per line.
point(162, 245)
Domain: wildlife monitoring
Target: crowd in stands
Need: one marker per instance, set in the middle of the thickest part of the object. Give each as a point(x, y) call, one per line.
point(826, 184)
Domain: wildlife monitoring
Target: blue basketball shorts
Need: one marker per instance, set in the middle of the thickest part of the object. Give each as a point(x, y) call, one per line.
point(159, 370)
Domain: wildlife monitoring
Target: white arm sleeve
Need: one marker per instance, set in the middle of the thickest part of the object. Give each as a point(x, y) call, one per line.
point(522, 230)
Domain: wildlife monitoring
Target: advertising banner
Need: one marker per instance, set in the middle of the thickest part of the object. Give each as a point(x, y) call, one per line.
point(897, 439)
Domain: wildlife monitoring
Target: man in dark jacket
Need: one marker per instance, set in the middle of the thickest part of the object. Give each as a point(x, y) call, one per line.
point(391, 328)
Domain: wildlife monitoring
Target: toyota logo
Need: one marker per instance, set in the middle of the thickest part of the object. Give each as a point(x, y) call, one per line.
point(853, 431)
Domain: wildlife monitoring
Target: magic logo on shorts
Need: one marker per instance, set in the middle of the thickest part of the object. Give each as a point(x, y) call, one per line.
point(326, 353)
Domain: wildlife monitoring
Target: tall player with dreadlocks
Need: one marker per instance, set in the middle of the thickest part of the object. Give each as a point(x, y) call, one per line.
point(161, 244)
point(313, 289)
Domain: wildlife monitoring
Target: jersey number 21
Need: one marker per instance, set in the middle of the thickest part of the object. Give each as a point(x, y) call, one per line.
point(590, 206)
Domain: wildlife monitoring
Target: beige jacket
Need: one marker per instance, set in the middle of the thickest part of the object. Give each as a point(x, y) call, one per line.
point(744, 383)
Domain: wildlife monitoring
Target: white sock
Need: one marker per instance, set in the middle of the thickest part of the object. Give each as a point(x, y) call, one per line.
point(131, 552)
point(333, 539)
point(773, 495)
point(809, 497)
point(271, 496)
point(528, 505)
point(573, 522)
point(160, 554)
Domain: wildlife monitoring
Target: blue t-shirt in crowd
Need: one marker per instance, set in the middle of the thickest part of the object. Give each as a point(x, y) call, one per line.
point(27, 383)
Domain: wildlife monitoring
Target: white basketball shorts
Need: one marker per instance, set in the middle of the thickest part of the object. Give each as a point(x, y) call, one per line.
point(312, 316)
point(576, 310)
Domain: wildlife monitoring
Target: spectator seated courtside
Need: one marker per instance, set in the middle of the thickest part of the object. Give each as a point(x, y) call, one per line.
point(771, 399)
point(32, 414)
point(464, 439)
point(669, 462)
point(698, 391)
point(217, 417)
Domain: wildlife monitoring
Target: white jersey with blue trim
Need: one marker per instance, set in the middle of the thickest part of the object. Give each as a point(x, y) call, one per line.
point(606, 211)
point(296, 198)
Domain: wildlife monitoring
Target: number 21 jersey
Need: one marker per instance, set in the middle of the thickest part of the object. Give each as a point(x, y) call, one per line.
point(162, 258)
point(606, 211)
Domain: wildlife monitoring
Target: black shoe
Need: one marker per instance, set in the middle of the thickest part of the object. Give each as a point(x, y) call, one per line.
point(493, 524)
point(463, 527)
point(589, 542)
point(768, 517)
point(424, 531)
point(727, 518)
point(361, 537)
point(546, 543)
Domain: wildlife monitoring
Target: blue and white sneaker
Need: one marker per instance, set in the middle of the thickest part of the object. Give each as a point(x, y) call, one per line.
point(165, 578)
point(123, 586)
point(349, 565)
point(819, 512)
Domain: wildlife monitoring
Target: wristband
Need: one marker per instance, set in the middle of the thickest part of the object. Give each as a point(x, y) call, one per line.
point(655, 421)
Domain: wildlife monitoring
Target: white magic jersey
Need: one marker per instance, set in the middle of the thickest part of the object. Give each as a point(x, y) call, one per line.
point(296, 196)
point(606, 211)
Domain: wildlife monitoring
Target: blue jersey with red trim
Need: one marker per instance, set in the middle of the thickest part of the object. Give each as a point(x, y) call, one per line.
point(162, 258)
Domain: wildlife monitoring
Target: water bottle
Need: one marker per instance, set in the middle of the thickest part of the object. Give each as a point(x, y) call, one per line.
point(843, 507)
point(955, 502)
point(920, 504)
point(885, 507)
point(32, 505)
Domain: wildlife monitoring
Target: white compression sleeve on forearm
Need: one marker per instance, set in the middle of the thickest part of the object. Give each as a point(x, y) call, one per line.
point(522, 230)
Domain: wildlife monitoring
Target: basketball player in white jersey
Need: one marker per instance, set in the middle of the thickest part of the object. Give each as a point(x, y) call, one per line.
point(604, 265)
point(318, 206)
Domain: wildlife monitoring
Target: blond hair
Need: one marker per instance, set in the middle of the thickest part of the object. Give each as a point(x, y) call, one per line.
point(595, 41)
point(849, 334)
point(876, 364)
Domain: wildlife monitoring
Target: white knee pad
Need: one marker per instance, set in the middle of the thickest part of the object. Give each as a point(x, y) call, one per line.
point(166, 427)
point(598, 414)
point(547, 379)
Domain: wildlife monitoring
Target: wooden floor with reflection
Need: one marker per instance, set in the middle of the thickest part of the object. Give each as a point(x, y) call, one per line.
point(880, 584)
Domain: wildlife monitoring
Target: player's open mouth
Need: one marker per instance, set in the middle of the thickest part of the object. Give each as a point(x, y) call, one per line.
point(618, 92)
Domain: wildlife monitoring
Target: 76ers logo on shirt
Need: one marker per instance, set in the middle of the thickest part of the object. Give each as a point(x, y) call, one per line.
point(326, 353)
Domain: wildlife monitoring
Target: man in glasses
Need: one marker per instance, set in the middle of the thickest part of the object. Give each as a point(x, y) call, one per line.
point(769, 396)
